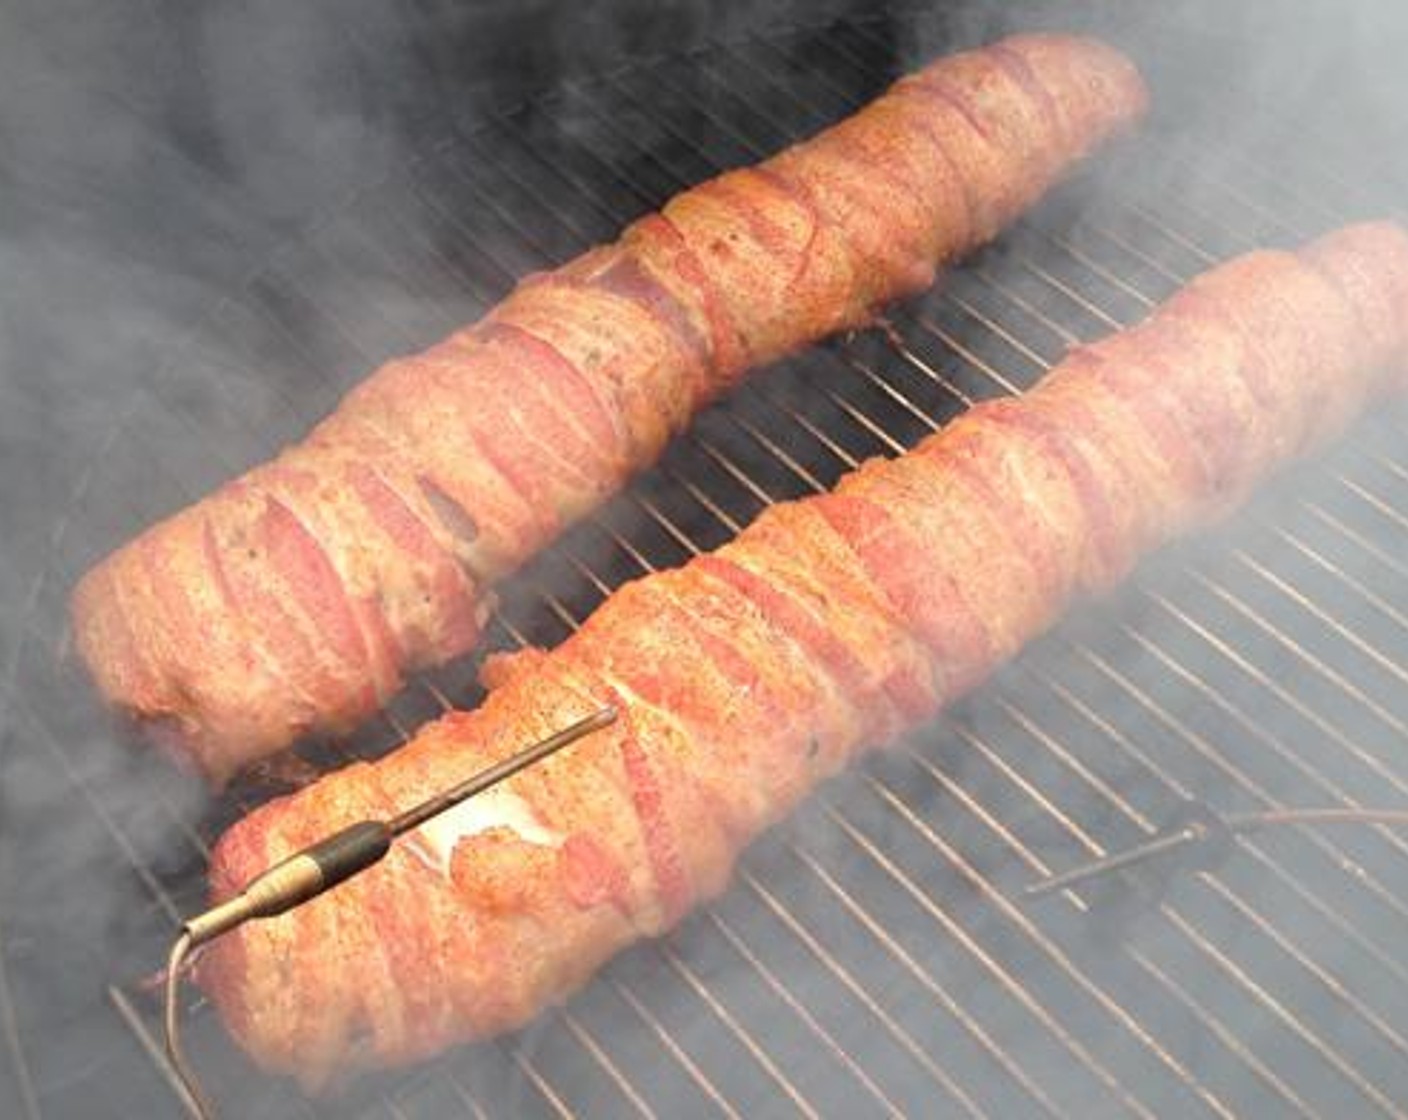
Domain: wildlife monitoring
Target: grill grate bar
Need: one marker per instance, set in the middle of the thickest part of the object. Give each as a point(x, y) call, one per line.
point(1065, 336)
point(673, 1048)
point(845, 100)
point(1321, 974)
point(726, 463)
point(538, 1082)
point(1089, 306)
point(1288, 1018)
point(470, 1103)
point(930, 327)
point(1383, 607)
point(1065, 245)
point(1233, 1042)
point(1398, 470)
point(154, 1050)
point(1367, 648)
point(1358, 539)
point(1122, 215)
point(705, 502)
point(463, 1097)
point(916, 972)
point(1261, 798)
point(1266, 181)
point(1227, 232)
point(796, 1007)
point(599, 1055)
point(1304, 1032)
point(1358, 490)
point(769, 445)
point(1340, 189)
point(1248, 203)
point(739, 1032)
point(794, 416)
point(1134, 208)
point(865, 423)
point(888, 390)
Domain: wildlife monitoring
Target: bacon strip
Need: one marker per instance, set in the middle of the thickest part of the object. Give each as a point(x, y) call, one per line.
point(751, 674)
point(475, 453)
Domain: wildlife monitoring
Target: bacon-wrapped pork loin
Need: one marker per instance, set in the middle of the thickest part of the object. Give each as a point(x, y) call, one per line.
point(297, 597)
point(746, 677)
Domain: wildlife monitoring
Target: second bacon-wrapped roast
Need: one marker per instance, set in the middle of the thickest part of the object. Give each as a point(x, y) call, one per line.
point(297, 597)
point(749, 675)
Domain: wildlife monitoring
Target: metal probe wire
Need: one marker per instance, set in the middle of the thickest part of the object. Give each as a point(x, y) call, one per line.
point(1197, 831)
point(321, 866)
point(175, 1052)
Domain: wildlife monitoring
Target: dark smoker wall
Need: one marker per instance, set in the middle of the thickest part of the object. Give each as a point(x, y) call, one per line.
point(154, 154)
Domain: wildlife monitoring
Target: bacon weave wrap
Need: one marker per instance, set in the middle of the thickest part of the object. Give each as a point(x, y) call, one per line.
point(295, 599)
point(755, 671)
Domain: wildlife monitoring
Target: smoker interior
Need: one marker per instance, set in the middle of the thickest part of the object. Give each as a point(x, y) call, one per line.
point(875, 955)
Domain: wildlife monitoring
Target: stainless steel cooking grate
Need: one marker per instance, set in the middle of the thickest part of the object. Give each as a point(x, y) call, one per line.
point(874, 956)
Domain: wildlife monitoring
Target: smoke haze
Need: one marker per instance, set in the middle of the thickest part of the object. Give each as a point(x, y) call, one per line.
point(215, 217)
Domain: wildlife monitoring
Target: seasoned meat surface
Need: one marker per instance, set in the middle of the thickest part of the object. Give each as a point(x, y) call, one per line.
point(746, 677)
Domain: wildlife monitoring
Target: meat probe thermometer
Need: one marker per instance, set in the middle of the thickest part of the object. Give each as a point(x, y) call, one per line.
point(323, 865)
